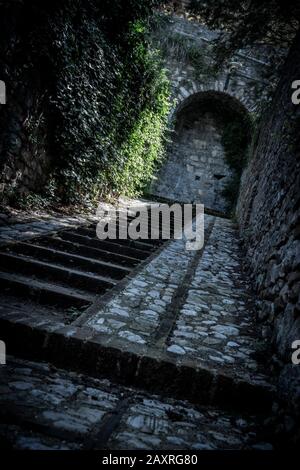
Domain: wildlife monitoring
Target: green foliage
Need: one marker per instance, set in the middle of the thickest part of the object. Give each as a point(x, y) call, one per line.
point(235, 140)
point(231, 190)
point(270, 27)
point(182, 49)
point(143, 150)
point(87, 72)
point(250, 22)
point(112, 108)
point(107, 95)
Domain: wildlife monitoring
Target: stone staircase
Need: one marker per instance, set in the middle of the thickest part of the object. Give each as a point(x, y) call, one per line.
point(151, 346)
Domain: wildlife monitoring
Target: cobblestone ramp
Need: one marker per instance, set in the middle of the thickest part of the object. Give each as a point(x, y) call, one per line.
point(192, 314)
point(62, 273)
point(43, 408)
point(183, 317)
point(171, 322)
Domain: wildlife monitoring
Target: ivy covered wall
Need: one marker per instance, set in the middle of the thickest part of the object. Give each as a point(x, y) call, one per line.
point(87, 99)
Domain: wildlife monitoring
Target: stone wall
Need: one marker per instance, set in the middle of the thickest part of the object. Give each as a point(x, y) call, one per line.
point(195, 168)
point(24, 152)
point(24, 128)
point(269, 216)
point(243, 78)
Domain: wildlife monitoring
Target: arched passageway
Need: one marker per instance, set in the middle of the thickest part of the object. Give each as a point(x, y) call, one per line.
point(197, 168)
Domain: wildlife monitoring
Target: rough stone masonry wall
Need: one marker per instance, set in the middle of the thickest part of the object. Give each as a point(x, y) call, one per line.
point(243, 79)
point(24, 150)
point(193, 160)
point(196, 169)
point(24, 153)
point(268, 213)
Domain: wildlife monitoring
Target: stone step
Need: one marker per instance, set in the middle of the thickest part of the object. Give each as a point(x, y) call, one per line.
point(43, 408)
point(138, 244)
point(149, 241)
point(107, 245)
point(43, 292)
point(41, 270)
point(69, 260)
point(59, 274)
point(127, 361)
point(182, 326)
point(156, 236)
point(49, 311)
point(208, 321)
point(93, 253)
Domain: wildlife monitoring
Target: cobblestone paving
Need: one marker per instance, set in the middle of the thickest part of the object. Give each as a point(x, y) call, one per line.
point(29, 227)
point(137, 311)
point(185, 315)
point(42, 407)
point(21, 225)
point(212, 322)
point(216, 323)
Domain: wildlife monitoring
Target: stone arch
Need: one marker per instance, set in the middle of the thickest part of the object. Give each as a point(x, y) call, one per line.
point(196, 169)
point(226, 99)
point(186, 93)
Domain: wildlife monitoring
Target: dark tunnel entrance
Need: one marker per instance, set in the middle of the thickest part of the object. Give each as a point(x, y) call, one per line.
point(201, 165)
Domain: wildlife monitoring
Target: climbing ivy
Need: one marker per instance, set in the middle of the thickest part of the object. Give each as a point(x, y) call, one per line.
point(186, 51)
point(112, 104)
point(235, 140)
point(108, 97)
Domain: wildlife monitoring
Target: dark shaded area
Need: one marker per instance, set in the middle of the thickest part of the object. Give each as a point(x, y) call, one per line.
point(236, 128)
point(76, 86)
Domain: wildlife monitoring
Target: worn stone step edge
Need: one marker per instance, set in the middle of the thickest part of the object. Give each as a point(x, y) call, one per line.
point(62, 258)
point(45, 292)
point(84, 350)
point(108, 245)
point(89, 252)
point(52, 273)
